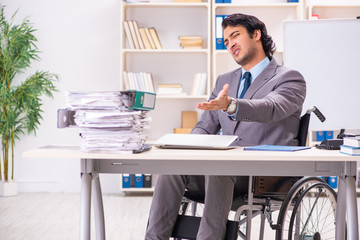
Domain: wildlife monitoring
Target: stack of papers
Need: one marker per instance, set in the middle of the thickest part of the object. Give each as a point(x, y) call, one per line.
point(106, 124)
point(94, 100)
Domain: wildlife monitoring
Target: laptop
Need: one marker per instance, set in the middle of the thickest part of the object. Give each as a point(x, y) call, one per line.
point(195, 141)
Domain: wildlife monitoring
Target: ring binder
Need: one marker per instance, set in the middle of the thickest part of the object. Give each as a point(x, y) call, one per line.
point(138, 100)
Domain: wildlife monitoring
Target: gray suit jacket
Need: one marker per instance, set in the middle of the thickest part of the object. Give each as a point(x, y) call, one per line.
point(269, 113)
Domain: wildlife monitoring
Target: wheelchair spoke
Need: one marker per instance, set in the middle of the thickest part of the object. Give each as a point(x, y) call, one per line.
point(317, 219)
point(310, 215)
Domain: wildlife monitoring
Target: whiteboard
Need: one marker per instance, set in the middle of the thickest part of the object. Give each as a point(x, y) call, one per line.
point(327, 54)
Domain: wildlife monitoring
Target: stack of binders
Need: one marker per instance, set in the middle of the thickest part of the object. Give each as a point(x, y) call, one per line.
point(137, 180)
point(112, 121)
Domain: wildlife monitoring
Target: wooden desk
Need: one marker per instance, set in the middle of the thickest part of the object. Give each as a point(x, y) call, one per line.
point(312, 162)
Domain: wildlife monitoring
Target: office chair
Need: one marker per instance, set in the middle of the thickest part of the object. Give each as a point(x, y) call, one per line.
point(294, 197)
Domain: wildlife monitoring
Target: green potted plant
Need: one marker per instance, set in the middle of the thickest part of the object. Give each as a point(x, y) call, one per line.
point(20, 99)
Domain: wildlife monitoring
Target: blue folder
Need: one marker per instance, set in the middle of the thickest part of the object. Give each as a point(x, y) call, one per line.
point(276, 148)
point(219, 32)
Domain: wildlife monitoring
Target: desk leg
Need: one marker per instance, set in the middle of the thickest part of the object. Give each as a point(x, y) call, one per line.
point(250, 210)
point(351, 209)
point(98, 208)
point(340, 213)
point(85, 206)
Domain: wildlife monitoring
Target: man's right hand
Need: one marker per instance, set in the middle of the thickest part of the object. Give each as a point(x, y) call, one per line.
point(221, 102)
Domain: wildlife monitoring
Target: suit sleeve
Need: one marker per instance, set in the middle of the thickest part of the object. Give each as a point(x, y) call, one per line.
point(286, 97)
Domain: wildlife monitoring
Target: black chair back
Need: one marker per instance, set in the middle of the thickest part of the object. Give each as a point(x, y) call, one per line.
point(303, 129)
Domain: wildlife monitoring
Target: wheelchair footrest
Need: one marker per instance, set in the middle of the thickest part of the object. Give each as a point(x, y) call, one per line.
point(187, 227)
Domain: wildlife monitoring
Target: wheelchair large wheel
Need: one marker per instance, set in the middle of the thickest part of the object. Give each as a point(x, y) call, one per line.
point(308, 211)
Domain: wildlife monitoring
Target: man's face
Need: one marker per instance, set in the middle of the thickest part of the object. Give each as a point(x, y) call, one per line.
point(239, 44)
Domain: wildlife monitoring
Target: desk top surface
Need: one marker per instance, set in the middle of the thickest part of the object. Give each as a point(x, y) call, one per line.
point(236, 154)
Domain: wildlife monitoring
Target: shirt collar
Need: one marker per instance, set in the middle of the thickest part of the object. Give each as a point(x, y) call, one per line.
point(257, 69)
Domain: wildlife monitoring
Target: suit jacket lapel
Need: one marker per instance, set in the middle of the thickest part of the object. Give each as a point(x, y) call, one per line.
point(265, 76)
point(268, 73)
point(234, 84)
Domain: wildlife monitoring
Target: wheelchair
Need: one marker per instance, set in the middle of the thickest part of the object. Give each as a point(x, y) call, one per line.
point(305, 206)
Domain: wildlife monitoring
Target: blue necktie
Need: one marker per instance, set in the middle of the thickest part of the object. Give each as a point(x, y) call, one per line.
point(247, 76)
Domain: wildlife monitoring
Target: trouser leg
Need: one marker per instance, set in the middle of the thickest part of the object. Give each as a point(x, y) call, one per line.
point(218, 200)
point(167, 197)
point(168, 193)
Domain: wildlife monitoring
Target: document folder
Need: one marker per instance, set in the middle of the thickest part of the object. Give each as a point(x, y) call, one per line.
point(219, 33)
point(138, 100)
point(138, 180)
point(276, 148)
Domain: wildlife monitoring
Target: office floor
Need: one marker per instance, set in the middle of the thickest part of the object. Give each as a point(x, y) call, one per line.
point(55, 216)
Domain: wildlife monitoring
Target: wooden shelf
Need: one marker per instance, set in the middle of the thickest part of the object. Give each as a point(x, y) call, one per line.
point(205, 51)
point(257, 5)
point(181, 97)
point(137, 189)
point(166, 4)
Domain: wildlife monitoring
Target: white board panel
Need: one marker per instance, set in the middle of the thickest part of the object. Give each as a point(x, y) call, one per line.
point(327, 53)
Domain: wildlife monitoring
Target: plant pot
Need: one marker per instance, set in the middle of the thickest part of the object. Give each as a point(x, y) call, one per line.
point(8, 189)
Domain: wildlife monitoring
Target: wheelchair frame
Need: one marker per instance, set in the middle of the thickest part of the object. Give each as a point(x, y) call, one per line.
point(292, 200)
point(288, 222)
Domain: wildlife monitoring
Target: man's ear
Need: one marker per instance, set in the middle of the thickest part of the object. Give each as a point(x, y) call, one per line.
point(257, 34)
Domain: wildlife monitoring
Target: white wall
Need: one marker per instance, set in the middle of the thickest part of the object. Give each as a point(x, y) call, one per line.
point(79, 41)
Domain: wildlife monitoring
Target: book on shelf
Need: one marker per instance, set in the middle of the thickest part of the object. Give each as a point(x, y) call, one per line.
point(199, 84)
point(170, 89)
point(141, 37)
point(184, 38)
point(141, 81)
point(355, 151)
point(145, 39)
point(136, 27)
point(149, 82)
point(191, 42)
point(352, 141)
point(155, 37)
point(148, 34)
point(133, 34)
point(128, 35)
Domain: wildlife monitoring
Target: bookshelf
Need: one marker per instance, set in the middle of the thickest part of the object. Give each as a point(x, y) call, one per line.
point(331, 9)
point(172, 64)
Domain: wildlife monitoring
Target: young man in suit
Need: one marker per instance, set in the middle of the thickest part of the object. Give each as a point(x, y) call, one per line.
point(260, 102)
